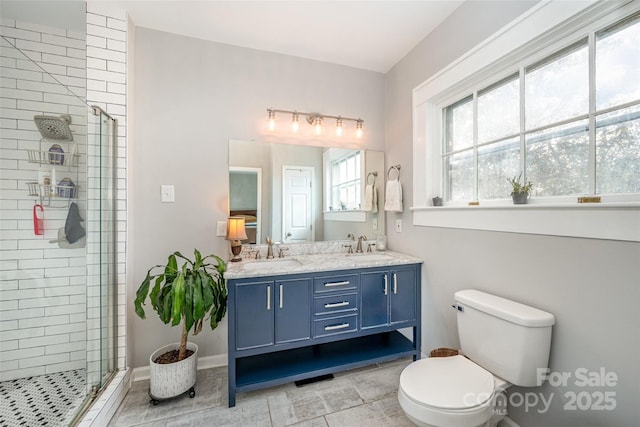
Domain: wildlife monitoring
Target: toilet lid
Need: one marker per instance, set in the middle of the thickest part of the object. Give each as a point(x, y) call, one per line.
point(447, 382)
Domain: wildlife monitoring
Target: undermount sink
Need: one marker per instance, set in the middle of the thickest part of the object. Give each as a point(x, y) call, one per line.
point(272, 264)
point(370, 258)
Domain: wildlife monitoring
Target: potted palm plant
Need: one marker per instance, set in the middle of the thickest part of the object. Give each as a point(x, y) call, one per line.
point(185, 295)
point(520, 193)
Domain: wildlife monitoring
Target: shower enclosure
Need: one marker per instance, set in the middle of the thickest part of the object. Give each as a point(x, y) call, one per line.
point(58, 250)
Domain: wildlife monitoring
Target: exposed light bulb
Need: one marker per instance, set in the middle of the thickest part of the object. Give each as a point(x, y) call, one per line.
point(318, 126)
point(272, 120)
point(295, 125)
point(359, 129)
point(339, 127)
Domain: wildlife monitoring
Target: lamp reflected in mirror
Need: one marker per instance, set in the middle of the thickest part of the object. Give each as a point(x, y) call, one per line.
point(236, 233)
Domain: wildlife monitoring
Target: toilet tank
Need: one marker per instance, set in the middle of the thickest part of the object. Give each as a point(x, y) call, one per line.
point(509, 339)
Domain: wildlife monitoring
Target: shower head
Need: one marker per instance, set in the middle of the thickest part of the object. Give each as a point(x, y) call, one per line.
point(54, 128)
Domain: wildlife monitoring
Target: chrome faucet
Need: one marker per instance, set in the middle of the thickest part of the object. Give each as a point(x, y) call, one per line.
point(359, 247)
point(269, 248)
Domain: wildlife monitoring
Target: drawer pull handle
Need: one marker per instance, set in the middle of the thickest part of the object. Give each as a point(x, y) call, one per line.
point(281, 297)
point(395, 283)
point(336, 304)
point(386, 285)
point(269, 297)
point(344, 283)
point(336, 327)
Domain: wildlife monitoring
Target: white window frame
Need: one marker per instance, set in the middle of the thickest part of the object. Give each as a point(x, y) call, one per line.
point(544, 29)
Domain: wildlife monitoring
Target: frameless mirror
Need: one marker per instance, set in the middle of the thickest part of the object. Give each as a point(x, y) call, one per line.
point(296, 193)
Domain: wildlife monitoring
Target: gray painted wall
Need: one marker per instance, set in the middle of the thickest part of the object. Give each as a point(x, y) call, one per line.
point(191, 96)
point(591, 286)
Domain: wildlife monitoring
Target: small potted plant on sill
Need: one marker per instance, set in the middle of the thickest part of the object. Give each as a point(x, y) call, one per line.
point(187, 296)
point(520, 193)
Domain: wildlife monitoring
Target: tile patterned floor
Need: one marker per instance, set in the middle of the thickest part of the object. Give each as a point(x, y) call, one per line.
point(48, 400)
point(362, 397)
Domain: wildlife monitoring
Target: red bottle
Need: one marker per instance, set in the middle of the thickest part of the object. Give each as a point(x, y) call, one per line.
point(38, 221)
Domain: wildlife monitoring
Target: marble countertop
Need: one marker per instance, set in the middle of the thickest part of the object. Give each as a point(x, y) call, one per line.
point(296, 264)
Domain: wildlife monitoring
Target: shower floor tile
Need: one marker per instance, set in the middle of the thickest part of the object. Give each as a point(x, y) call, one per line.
point(48, 400)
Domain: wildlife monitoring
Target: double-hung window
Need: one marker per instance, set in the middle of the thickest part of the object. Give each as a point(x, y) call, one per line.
point(345, 182)
point(569, 122)
point(554, 96)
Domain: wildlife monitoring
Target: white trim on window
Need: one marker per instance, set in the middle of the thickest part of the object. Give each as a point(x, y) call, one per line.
point(539, 32)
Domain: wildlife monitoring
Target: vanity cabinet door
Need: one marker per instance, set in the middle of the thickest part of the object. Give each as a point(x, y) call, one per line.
point(254, 314)
point(374, 288)
point(402, 296)
point(292, 310)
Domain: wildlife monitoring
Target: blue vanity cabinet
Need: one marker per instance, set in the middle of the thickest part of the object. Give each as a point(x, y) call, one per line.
point(286, 328)
point(388, 297)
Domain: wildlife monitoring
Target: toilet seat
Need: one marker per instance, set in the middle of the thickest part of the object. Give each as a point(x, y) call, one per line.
point(446, 391)
point(449, 383)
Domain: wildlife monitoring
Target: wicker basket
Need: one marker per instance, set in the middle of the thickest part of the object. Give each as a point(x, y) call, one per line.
point(444, 352)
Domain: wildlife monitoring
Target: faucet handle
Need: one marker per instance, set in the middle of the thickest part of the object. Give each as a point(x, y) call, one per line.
point(369, 246)
point(258, 256)
point(350, 250)
point(281, 252)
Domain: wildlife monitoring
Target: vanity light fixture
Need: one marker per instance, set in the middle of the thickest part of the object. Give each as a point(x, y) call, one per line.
point(316, 120)
point(236, 232)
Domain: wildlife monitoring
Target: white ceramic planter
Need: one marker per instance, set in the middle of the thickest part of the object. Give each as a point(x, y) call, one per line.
point(173, 379)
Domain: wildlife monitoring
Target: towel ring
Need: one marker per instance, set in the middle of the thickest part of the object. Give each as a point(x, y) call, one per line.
point(396, 168)
point(374, 174)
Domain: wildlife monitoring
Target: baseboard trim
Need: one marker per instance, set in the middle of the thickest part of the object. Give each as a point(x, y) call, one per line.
point(508, 422)
point(206, 362)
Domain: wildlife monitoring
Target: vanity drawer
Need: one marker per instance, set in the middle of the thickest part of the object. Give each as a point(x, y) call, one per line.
point(335, 304)
point(335, 326)
point(336, 283)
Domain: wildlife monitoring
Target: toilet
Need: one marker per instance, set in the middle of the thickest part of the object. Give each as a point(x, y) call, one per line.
point(504, 343)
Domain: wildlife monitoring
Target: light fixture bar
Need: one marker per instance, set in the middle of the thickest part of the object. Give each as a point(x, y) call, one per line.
point(311, 117)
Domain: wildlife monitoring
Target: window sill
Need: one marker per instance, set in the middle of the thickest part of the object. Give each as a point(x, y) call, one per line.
point(611, 221)
point(346, 215)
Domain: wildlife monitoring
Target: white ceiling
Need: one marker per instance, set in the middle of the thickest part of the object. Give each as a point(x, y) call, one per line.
point(368, 34)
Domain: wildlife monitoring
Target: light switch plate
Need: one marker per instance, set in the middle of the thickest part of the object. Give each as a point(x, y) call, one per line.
point(167, 193)
point(221, 229)
point(398, 226)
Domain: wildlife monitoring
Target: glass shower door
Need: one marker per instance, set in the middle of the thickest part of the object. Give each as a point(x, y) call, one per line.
point(101, 248)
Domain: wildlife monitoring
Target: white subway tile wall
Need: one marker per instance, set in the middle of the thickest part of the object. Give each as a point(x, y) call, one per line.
point(42, 311)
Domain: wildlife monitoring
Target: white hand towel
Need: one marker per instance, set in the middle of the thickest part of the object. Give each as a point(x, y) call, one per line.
point(370, 198)
point(393, 200)
point(374, 205)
